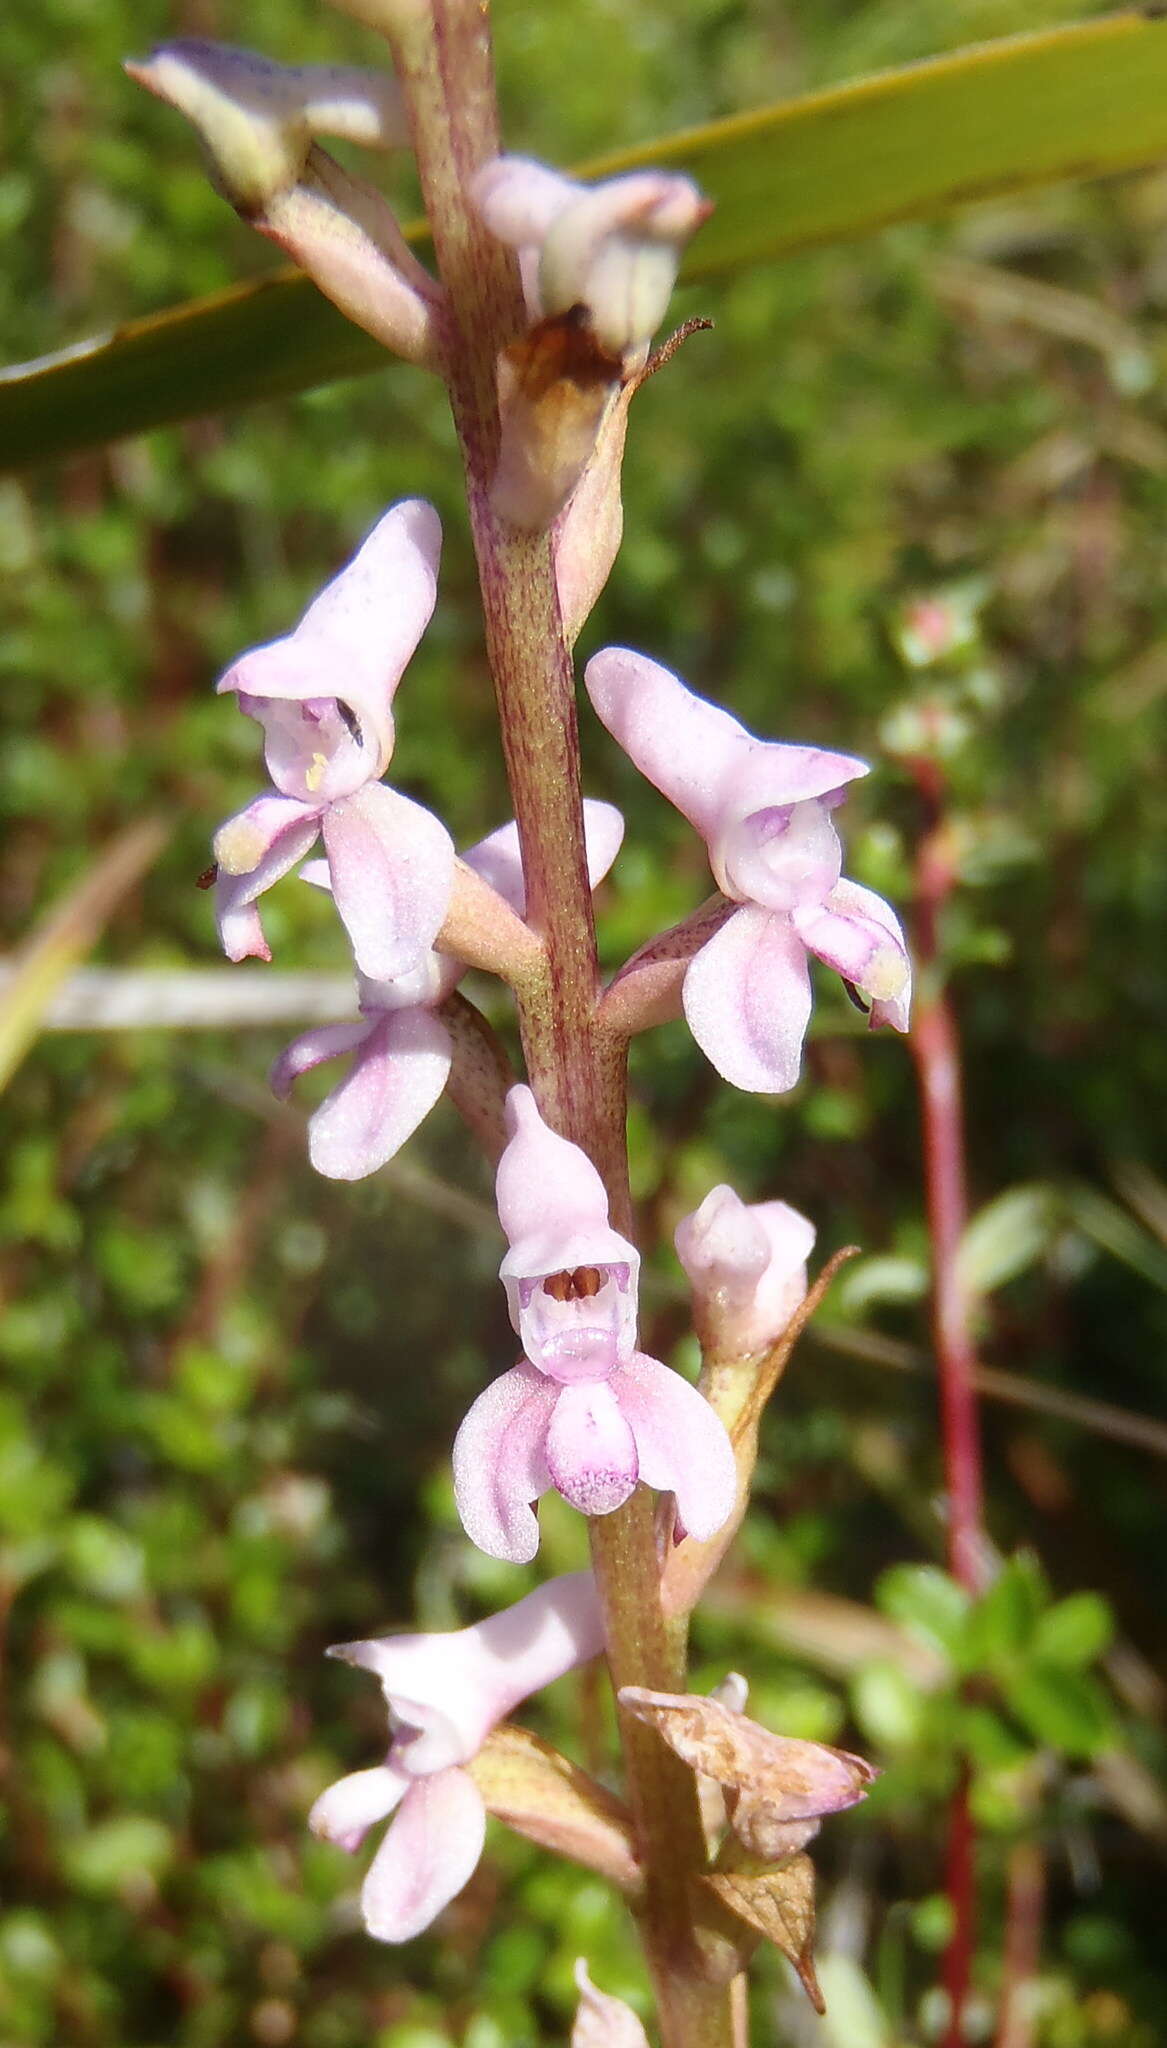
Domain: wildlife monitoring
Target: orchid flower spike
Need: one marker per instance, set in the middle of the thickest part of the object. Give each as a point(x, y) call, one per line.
point(764, 811)
point(584, 1411)
point(401, 1050)
point(445, 1693)
point(324, 696)
point(746, 1263)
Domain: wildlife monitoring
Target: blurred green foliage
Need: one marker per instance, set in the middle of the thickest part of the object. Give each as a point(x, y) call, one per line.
point(230, 1388)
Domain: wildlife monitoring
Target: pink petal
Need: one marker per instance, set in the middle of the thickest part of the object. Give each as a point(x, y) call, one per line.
point(874, 922)
point(430, 1852)
point(354, 641)
point(453, 1688)
point(708, 765)
point(500, 1465)
point(747, 1001)
point(267, 839)
point(311, 1049)
point(591, 1452)
point(518, 198)
point(498, 860)
point(241, 932)
point(616, 250)
point(347, 1810)
point(682, 1444)
point(552, 1205)
point(392, 867)
point(400, 1069)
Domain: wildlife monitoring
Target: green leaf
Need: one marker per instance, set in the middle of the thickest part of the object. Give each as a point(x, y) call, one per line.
point(889, 1706)
point(1007, 1235)
point(1074, 1632)
point(926, 1601)
point(119, 1853)
point(1074, 102)
point(1064, 1709)
point(1002, 1624)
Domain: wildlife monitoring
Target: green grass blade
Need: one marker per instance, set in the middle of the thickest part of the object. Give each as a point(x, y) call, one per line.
point(1075, 102)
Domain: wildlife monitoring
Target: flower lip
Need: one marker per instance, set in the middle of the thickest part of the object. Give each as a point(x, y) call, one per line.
point(782, 857)
point(579, 1322)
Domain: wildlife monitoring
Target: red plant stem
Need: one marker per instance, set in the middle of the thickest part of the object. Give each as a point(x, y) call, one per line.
point(936, 1047)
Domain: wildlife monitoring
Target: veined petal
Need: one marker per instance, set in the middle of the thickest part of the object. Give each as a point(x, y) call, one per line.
point(401, 1067)
point(747, 1001)
point(392, 867)
point(591, 1449)
point(346, 1811)
point(682, 1444)
point(430, 1852)
point(854, 917)
point(312, 1049)
point(500, 1464)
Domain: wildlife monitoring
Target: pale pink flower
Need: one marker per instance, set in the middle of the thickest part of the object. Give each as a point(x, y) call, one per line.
point(612, 248)
point(401, 1050)
point(746, 1263)
point(445, 1693)
point(584, 1411)
point(323, 695)
point(764, 811)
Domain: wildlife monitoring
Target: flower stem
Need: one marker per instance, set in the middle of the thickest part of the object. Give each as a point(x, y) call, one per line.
point(936, 1045)
point(577, 1069)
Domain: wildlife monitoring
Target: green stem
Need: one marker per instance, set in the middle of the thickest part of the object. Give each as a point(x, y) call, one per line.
point(577, 1070)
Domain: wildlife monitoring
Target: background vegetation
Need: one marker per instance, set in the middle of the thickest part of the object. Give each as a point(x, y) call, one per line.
point(230, 1388)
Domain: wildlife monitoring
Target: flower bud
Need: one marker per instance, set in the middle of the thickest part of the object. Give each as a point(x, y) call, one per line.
point(258, 120)
point(746, 1262)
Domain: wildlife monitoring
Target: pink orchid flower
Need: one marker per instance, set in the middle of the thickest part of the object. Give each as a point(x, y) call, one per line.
point(323, 696)
point(445, 1693)
point(612, 248)
point(764, 812)
point(584, 1411)
point(746, 1263)
point(401, 1051)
